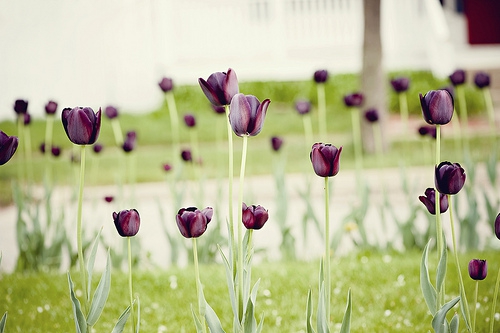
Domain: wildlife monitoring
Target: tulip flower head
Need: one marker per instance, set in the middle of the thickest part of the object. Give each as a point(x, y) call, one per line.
point(56, 151)
point(325, 159)
point(429, 201)
point(109, 198)
point(303, 106)
point(190, 120)
point(127, 222)
point(437, 107)
point(186, 155)
point(427, 131)
point(21, 106)
point(97, 148)
point(400, 84)
point(254, 217)
point(167, 167)
point(166, 84)
point(111, 112)
point(8, 146)
point(482, 80)
point(478, 269)
point(371, 115)
point(81, 124)
point(497, 226)
point(449, 178)
point(129, 142)
point(276, 143)
point(192, 222)
point(27, 119)
point(220, 87)
point(247, 114)
point(354, 100)
point(457, 77)
point(50, 107)
point(321, 76)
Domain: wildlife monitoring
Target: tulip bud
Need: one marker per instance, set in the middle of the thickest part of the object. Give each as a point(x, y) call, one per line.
point(247, 114)
point(321, 76)
point(8, 146)
point(449, 178)
point(276, 143)
point(127, 222)
point(352, 100)
point(254, 217)
point(437, 107)
point(167, 167)
point(129, 143)
point(427, 131)
point(429, 201)
point(97, 148)
point(478, 269)
point(56, 151)
point(27, 119)
point(166, 84)
point(371, 115)
point(192, 223)
point(303, 106)
point(457, 77)
point(50, 107)
point(111, 112)
point(109, 198)
point(325, 159)
point(190, 120)
point(82, 125)
point(497, 226)
point(186, 155)
point(220, 87)
point(21, 106)
point(482, 80)
point(400, 84)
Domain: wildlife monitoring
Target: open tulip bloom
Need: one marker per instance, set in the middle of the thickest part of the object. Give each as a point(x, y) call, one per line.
point(82, 125)
point(247, 114)
point(8, 146)
point(325, 159)
point(449, 177)
point(220, 87)
point(437, 107)
point(192, 222)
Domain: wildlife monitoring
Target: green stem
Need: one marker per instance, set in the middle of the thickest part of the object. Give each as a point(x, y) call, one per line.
point(79, 228)
point(117, 131)
point(489, 108)
point(358, 152)
point(327, 248)
point(48, 147)
point(475, 307)
point(201, 307)
point(308, 131)
point(494, 305)
point(464, 119)
point(403, 108)
point(463, 296)
point(439, 225)
point(230, 183)
point(130, 283)
point(20, 133)
point(174, 118)
point(321, 110)
point(27, 145)
point(240, 268)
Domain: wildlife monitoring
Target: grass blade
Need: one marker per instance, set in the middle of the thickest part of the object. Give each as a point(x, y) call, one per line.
point(120, 324)
point(438, 322)
point(3, 320)
point(425, 282)
point(346, 321)
point(80, 322)
point(101, 294)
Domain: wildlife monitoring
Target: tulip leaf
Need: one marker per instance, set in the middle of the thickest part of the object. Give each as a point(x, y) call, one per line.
point(309, 328)
point(441, 268)
point(91, 261)
point(80, 322)
point(438, 322)
point(346, 321)
point(138, 316)
point(4, 318)
point(230, 284)
point(213, 321)
point(322, 320)
point(425, 282)
point(197, 321)
point(250, 323)
point(101, 294)
point(120, 324)
point(454, 324)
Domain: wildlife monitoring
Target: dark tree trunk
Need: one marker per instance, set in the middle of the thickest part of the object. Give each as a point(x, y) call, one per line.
point(373, 80)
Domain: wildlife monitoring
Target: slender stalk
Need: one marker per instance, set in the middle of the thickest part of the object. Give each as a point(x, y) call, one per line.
point(403, 108)
point(308, 131)
point(463, 114)
point(48, 147)
point(240, 218)
point(321, 110)
point(79, 228)
point(230, 183)
point(201, 312)
point(130, 283)
point(439, 225)
point(27, 150)
point(475, 307)
point(489, 109)
point(327, 248)
point(117, 131)
point(356, 132)
point(463, 296)
point(494, 305)
point(174, 118)
point(20, 133)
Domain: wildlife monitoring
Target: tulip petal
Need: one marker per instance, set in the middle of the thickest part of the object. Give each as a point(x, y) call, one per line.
point(240, 114)
point(258, 119)
point(182, 226)
point(230, 86)
point(8, 146)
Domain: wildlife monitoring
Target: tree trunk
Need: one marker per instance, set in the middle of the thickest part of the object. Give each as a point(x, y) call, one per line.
point(373, 80)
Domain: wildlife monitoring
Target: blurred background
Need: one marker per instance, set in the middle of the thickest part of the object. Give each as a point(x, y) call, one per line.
point(96, 53)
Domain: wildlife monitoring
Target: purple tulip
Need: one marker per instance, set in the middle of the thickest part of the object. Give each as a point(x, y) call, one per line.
point(429, 201)
point(303, 106)
point(97, 148)
point(167, 167)
point(8, 146)
point(129, 142)
point(276, 143)
point(27, 119)
point(497, 226)
point(109, 198)
point(400, 84)
point(457, 77)
point(371, 115)
point(50, 107)
point(478, 269)
point(427, 131)
point(437, 107)
point(192, 222)
point(82, 125)
point(254, 217)
point(190, 120)
point(482, 80)
point(325, 159)
point(186, 155)
point(449, 178)
point(354, 99)
point(127, 222)
point(247, 114)
point(321, 76)
point(21, 106)
point(111, 112)
point(56, 151)
point(166, 84)
point(220, 87)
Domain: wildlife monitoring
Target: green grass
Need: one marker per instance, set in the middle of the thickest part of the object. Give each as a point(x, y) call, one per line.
point(385, 290)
